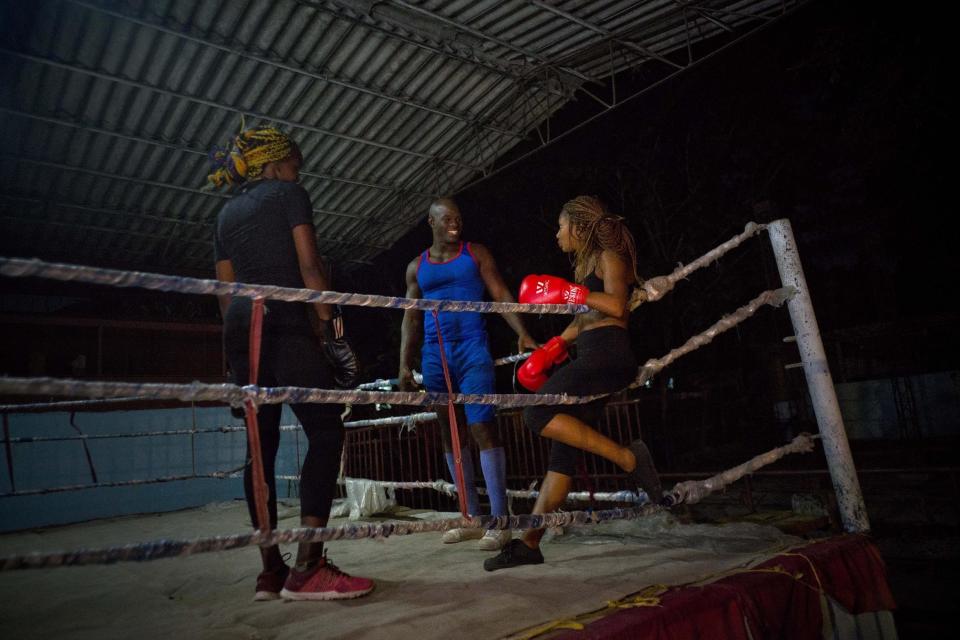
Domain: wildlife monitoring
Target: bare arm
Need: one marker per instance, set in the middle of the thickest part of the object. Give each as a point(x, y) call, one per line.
point(612, 301)
point(311, 268)
point(570, 334)
point(225, 273)
point(411, 330)
point(500, 293)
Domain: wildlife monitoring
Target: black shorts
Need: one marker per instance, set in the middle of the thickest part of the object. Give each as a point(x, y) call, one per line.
point(604, 364)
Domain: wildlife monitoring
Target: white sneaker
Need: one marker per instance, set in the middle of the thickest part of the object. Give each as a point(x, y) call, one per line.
point(495, 539)
point(452, 536)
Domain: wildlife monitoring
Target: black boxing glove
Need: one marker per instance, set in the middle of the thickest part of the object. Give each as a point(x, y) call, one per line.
point(339, 352)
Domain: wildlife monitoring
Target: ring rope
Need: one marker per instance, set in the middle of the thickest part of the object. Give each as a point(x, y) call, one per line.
point(355, 424)
point(66, 405)
point(693, 491)
point(689, 492)
point(659, 286)
point(136, 434)
point(19, 267)
point(655, 288)
point(772, 297)
point(282, 394)
point(217, 475)
point(407, 420)
point(450, 489)
point(236, 395)
point(156, 549)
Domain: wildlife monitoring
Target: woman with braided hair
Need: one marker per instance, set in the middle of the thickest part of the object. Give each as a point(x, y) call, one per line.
point(604, 259)
point(265, 235)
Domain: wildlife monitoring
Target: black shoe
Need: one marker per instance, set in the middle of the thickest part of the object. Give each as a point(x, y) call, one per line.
point(644, 475)
point(513, 554)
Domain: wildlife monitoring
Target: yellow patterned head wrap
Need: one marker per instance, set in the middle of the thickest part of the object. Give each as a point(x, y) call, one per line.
point(251, 151)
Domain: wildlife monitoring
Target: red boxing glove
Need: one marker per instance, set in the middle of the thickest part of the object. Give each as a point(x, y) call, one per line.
point(532, 374)
point(551, 290)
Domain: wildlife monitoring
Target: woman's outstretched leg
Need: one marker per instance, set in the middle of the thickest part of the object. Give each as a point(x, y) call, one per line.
point(635, 459)
point(578, 434)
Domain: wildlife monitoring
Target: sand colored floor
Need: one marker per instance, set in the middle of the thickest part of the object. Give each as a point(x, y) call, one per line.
point(424, 589)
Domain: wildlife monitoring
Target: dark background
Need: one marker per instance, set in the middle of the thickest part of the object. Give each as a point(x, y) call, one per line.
point(836, 119)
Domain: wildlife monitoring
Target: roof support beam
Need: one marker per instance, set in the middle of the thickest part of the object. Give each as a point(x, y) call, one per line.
point(479, 34)
point(350, 14)
point(125, 213)
point(216, 105)
point(730, 12)
point(205, 226)
point(748, 32)
point(702, 12)
point(181, 148)
point(93, 227)
point(608, 35)
point(146, 182)
point(406, 101)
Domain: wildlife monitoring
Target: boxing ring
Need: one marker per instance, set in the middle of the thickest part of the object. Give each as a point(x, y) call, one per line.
point(735, 587)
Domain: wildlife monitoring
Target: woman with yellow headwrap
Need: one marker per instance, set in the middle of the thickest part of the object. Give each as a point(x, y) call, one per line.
point(265, 235)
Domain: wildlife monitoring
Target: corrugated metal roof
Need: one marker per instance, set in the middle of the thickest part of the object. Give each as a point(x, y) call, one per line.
point(109, 108)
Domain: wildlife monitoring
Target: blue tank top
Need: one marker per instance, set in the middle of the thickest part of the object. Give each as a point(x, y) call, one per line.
point(456, 279)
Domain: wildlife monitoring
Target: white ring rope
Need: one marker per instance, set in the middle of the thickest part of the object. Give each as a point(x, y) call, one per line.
point(659, 286)
point(68, 405)
point(683, 492)
point(179, 548)
point(21, 268)
point(236, 395)
point(772, 297)
point(693, 491)
point(688, 492)
point(450, 489)
point(654, 288)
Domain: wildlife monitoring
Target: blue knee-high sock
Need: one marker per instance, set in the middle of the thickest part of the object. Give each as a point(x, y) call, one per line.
point(494, 465)
point(473, 500)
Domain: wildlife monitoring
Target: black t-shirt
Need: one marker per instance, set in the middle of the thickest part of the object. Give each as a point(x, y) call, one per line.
point(254, 232)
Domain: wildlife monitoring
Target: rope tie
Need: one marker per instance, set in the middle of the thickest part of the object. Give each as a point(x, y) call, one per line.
point(408, 424)
point(454, 427)
point(258, 477)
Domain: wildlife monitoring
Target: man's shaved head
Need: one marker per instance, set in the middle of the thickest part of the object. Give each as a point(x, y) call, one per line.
point(440, 205)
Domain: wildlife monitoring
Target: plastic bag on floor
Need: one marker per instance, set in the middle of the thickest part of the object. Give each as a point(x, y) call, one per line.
point(340, 508)
point(366, 497)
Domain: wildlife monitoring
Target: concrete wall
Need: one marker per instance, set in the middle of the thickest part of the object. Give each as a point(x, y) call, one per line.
point(870, 408)
point(39, 465)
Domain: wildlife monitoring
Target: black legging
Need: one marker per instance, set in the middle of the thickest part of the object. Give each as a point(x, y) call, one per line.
point(289, 356)
point(604, 364)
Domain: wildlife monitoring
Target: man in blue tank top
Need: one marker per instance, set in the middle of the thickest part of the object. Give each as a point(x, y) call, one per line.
point(452, 269)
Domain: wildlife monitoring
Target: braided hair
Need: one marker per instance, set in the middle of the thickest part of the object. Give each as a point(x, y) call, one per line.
point(251, 151)
point(599, 230)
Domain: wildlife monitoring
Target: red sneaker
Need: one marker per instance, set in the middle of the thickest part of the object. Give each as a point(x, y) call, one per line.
point(270, 583)
point(324, 582)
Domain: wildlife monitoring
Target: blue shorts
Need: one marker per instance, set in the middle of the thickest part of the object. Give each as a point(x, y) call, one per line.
point(471, 371)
